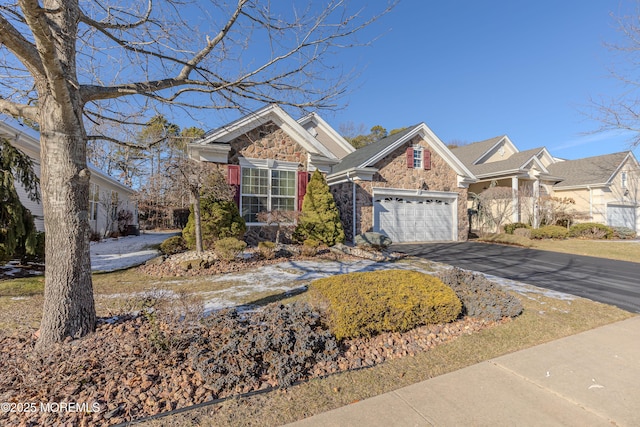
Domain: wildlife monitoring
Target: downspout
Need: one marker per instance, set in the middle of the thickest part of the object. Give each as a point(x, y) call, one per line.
point(590, 202)
point(353, 207)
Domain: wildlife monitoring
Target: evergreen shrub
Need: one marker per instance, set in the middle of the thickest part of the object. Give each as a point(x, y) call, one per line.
point(590, 230)
point(173, 245)
point(369, 303)
point(550, 232)
point(229, 248)
point(510, 228)
point(480, 297)
point(219, 219)
point(320, 218)
point(267, 250)
point(310, 247)
point(623, 233)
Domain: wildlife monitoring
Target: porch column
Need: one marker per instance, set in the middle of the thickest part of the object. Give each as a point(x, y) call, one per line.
point(535, 201)
point(515, 217)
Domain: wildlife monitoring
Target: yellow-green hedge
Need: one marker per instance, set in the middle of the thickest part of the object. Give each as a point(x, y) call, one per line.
point(366, 304)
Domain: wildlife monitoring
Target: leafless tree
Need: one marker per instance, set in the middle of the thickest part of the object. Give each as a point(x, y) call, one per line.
point(199, 178)
point(69, 66)
point(495, 207)
point(622, 111)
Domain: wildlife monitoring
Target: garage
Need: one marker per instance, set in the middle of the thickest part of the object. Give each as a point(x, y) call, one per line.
point(621, 216)
point(416, 218)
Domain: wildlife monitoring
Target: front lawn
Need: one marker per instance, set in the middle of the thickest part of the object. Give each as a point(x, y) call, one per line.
point(184, 359)
point(620, 250)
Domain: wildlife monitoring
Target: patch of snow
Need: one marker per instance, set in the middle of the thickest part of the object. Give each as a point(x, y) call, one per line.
point(125, 252)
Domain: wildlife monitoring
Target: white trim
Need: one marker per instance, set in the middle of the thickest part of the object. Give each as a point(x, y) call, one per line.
point(486, 153)
point(382, 191)
point(215, 153)
point(315, 118)
point(247, 162)
point(274, 113)
point(360, 174)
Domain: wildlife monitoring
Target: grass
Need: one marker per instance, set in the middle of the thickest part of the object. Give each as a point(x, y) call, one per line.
point(618, 250)
point(544, 319)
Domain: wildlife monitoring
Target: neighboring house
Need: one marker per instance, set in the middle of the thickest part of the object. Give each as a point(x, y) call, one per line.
point(408, 186)
point(107, 196)
point(604, 188)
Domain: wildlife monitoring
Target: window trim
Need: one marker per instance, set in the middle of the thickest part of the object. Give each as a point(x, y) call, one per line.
point(270, 166)
point(94, 202)
point(418, 157)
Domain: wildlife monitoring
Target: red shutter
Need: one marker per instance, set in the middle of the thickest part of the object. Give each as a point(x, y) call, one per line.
point(233, 179)
point(303, 179)
point(427, 160)
point(410, 157)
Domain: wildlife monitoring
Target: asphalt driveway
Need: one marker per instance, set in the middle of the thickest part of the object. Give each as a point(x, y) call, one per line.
point(607, 281)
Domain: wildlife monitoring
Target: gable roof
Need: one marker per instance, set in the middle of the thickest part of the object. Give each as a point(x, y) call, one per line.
point(269, 113)
point(360, 157)
point(335, 139)
point(369, 155)
point(26, 138)
point(470, 154)
point(516, 162)
point(596, 170)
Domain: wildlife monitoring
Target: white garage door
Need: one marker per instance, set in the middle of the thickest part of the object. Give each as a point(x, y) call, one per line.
point(621, 216)
point(414, 219)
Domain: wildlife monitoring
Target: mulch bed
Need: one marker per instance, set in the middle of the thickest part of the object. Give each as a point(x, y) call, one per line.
point(188, 264)
point(123, 370)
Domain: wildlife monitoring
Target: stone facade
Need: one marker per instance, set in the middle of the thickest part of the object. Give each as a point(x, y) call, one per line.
point(393, 173)
point(267, 142)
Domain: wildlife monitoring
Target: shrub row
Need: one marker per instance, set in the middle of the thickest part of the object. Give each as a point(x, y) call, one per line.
point(480, 297)
point(550, 232)
point(366, 304)
point(510, 228)
point(590, 230)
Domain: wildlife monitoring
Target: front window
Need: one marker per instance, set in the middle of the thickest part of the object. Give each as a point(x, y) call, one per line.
point(266, 190)
point(417, 157)
point(94, 201)
point(624, 180)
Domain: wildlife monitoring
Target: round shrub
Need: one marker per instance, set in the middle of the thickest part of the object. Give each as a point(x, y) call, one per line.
point(267, 250)
point(550, 232)
point(219, 219)
point(369, 303)
point(173, 245)
point(229, 248)
point(590, 230)
point(310, 247)
point(510, 228)
point(623, 233)
point(480, 297)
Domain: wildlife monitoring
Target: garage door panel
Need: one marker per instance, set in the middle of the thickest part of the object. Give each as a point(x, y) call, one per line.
point(414, 219)
point(621, 216)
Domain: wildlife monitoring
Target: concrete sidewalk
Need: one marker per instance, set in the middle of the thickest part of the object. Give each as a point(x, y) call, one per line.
point(589, 379)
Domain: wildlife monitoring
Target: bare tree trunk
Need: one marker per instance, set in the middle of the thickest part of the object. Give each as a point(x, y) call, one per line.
point(69, 308)
point(195, 198)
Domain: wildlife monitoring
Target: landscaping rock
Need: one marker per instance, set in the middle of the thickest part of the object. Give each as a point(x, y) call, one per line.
point(373, 240)
point(359, 252)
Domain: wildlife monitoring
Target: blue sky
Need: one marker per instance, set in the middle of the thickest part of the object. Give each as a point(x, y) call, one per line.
point(472, 70)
